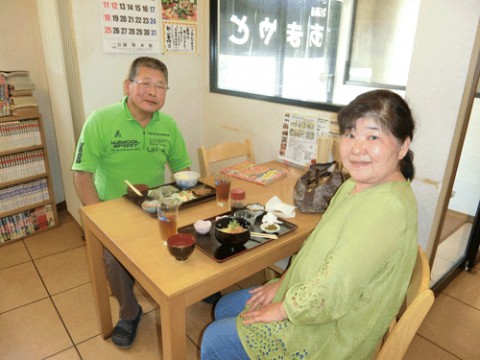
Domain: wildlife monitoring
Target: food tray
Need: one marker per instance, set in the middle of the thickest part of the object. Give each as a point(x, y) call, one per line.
point(201, 192)
point(208, 244)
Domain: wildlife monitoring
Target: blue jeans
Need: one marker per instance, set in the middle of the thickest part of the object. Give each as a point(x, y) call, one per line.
point(220, 340)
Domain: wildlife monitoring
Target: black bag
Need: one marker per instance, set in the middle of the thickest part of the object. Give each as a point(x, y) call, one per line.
point(313, 191)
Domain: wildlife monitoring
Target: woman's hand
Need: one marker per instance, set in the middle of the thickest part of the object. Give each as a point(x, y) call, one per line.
point(263, 295)
point(265, 314)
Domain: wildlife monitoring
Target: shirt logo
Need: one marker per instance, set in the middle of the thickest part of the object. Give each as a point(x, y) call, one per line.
point(117, 134)
point(125, 143)
point(78, 160)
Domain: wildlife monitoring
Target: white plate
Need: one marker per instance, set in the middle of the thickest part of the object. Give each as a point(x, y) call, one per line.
point(270, 227)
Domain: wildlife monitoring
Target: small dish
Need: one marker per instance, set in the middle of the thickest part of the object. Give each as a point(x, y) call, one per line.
point(202, 226)
point(257, 208)
point(270, 228)
point(150, 206)
point(247, 215)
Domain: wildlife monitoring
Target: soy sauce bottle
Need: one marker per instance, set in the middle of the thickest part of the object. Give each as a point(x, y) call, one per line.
point(237, 197)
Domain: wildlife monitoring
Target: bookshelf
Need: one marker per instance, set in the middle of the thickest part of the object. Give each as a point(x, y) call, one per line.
point(27, 203)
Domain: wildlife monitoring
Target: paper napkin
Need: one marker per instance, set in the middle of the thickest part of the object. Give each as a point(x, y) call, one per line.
point(279, 208)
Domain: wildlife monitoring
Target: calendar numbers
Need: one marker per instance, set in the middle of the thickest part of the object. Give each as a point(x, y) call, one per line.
point(130, 26)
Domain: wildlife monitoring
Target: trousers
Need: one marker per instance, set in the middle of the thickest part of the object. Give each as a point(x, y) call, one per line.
point(220, 340)
point(121, 284)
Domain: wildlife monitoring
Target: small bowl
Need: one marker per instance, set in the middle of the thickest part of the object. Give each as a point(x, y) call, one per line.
point(257, 208)
point(270, 228)
point(247, 215)
point(143, 188)
point(181, 246)
point(186, 179)
point(150, 206)
point(202, 226)
point(231, 239)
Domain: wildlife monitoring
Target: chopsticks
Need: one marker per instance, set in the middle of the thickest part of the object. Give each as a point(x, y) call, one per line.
point(262, 235)
point(133, 188)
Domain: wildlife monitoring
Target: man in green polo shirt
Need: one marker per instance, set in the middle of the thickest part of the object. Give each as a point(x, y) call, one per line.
point(130, 140)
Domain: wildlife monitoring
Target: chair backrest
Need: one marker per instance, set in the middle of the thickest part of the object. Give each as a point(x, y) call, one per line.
point(418, 301)
point(224, 151)
point(329, 146)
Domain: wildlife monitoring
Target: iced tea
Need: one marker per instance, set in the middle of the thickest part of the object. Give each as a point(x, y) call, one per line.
point(167, 214)
point(168, 225)
point(222, 188)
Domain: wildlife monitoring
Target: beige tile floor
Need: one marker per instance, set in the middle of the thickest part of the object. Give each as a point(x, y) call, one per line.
point(47, 311)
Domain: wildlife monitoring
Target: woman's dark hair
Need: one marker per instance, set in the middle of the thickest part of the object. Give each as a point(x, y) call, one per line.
point(391, 112)
point(149, 62)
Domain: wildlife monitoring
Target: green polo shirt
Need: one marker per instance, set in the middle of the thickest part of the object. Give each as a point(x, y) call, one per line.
point(114, 147)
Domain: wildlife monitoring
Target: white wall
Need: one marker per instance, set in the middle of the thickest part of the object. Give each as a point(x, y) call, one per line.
point(21, 49)
point(466, 189)
point(440, 68)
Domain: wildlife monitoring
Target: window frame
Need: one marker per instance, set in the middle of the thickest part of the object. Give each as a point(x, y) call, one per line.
point(345, 88)
point(346, 79)
point(214, 71)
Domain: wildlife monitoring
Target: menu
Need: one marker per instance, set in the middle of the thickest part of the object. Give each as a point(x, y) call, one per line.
point(300, 131)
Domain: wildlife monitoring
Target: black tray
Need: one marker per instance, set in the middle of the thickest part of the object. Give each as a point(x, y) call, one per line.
point(205, 193)
point(208, 244)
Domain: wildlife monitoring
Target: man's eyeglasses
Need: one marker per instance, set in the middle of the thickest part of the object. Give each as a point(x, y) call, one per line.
point(145, 85)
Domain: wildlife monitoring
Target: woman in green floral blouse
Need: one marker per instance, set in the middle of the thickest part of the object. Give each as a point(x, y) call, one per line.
point(348, 280)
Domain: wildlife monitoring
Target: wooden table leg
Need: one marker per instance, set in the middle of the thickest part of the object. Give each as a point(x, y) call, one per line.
point(173, 327)
point(99, 282)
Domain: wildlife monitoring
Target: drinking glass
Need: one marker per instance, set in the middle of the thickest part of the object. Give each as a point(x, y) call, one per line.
point(222, 188)
point(167, 214)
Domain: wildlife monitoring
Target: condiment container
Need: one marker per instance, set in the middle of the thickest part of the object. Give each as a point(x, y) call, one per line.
point(237, 197)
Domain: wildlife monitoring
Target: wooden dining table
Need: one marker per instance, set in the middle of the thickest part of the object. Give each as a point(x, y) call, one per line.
point(133, 237)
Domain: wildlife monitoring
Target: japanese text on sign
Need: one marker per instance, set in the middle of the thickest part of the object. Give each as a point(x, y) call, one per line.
point(179, 37)
point(312, 31)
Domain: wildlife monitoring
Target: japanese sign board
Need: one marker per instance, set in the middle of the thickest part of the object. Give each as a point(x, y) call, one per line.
point(260, 27)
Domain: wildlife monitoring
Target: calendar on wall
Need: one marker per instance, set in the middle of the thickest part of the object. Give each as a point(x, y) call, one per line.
point(131, 26)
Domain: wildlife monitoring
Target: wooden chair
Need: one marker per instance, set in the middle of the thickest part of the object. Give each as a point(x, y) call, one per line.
point(328, 148)
point(224, 151)
point(418, 301)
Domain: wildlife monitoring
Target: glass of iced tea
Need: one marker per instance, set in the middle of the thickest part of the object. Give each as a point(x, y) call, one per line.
point(222, 188)
point(167, 214)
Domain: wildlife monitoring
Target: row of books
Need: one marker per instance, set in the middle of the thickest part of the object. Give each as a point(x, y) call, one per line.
point(4, 97)
point(25, 194)
point(19, 134)
point(18, 166)
point(16, 93)
point(26, 223)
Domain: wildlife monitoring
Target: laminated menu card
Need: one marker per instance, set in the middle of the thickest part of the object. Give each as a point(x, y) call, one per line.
point(259, 174)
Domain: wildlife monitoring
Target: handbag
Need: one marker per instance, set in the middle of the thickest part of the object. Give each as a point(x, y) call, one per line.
point(314, 189)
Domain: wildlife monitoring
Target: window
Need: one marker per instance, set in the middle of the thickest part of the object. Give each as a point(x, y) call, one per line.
point(312, 53)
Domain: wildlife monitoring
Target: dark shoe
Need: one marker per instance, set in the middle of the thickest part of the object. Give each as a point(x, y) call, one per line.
point(125, 331)
point(212, 299)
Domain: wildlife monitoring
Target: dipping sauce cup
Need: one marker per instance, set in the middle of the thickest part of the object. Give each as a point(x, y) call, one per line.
point(167, 214)
point(222, 188)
